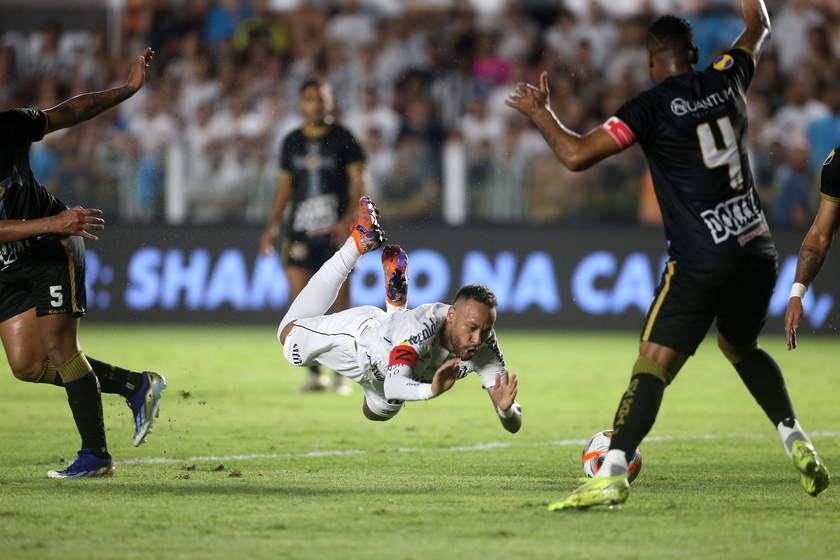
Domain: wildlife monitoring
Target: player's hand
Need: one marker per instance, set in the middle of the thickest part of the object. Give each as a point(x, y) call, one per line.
point(528, 99)
point(445, 377)
point(77, 221)
point(267, 242)
point(793, 316)
point(504, 391)
point(137, 75)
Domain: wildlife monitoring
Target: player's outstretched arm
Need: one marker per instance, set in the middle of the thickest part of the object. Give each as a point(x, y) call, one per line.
point(757, 31)
point(503, 394)
point(812, 255)
point(73, 221)
point(577, 152)
point(88, 105)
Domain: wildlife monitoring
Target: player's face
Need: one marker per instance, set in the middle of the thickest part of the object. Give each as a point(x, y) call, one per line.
point(315, 104)
point(468, 325)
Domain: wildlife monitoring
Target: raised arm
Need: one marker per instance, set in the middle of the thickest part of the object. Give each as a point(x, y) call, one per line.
point(577, 152)
point(757, 29)
point(88, 105)
point(503, 395)
point(812, 255)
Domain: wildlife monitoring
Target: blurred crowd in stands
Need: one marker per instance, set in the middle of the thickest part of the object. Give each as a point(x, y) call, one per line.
point(417, 82)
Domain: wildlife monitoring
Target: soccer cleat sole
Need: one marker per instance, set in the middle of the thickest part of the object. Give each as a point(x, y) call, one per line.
point(101, 472)
point(157, 385)
point(813, 474)
point(367, 233)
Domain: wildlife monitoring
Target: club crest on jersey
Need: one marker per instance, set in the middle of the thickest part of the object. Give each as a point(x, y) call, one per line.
point(829, 158)
point(723, 62)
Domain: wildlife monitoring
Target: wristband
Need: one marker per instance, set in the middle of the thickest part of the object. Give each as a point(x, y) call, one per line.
point(514, 408)
point(798, 290)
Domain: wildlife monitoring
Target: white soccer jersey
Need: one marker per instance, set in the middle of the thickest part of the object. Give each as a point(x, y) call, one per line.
point(419, 328)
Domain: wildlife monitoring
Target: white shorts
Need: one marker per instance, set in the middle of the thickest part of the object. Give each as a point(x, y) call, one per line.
point(331, 341)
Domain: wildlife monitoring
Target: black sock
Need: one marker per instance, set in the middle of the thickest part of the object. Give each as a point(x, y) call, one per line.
point(764, 379)
point(636, 412)
point(86, 405)
point(113, 379)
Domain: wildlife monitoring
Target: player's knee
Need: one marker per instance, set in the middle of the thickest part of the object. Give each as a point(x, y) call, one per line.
point(735, 354)
point(28, 370)
point(371, 415)
point(284, 331)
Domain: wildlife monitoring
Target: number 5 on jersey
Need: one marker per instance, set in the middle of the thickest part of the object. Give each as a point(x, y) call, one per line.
point(56, 295)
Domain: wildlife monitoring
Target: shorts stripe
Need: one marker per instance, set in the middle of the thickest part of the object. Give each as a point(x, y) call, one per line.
point(71, 269)
point(668, 274)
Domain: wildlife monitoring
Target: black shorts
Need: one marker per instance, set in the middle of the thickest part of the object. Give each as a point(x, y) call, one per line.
point(310, 254)
point(689, 298)
point(50, 278)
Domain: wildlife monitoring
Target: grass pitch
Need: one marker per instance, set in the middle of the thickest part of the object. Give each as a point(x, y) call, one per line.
point(240, 466)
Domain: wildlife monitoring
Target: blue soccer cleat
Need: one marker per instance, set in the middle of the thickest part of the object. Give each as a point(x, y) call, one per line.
point(86, 465)
point(145, 403)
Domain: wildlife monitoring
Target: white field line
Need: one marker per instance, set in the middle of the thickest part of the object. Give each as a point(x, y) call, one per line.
point(477, 447)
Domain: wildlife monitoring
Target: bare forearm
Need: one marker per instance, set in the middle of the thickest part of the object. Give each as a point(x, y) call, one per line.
point(811, 259)
point(18, 230)
point(757, 23)
point(86, 106)
point(562, 141)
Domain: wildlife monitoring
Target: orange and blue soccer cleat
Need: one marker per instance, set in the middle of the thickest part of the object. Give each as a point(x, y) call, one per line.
point(366, 231)
point(395, 264)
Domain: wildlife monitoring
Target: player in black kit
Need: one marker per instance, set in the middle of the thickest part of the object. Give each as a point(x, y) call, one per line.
point(816, 244)
point(42, 281)
point(321, 170)
point(723, 264)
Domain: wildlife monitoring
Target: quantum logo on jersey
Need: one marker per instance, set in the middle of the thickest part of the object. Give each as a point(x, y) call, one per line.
point(723, 62)
point(829, 158)
point(732, 217)
point(429, 330)
point(680, 106)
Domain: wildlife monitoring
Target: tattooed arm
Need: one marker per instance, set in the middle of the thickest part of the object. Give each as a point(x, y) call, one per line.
point(88, 105)
point(577, 152)
point(812, 255)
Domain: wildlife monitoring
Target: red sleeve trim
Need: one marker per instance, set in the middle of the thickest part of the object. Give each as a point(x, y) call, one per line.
point(403, 355)
point(619, 132)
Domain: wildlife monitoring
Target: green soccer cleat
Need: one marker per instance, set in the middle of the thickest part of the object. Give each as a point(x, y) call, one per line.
point(607, 491)
point(812, 471)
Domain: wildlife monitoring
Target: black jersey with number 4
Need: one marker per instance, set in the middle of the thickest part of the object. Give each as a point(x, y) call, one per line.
point(692, 128)
point(320, 183)
point(21, 196)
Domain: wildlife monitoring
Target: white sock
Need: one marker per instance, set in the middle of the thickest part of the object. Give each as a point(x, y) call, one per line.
point(320, 292)
point(390, 308)
point(615, 464)
point(791, 433)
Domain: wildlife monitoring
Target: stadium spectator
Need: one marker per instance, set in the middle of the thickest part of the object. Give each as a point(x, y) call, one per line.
point(722, 263)
point(43, 282)
point(791, 203)
point(405, 52)
point(409, 355)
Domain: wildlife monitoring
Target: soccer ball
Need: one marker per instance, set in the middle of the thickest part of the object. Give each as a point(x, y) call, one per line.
point(593, 456)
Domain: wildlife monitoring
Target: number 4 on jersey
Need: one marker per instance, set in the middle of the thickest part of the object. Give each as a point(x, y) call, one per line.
point(729, 155)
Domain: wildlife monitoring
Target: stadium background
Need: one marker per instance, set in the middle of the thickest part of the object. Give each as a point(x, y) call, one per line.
point(186, 169)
